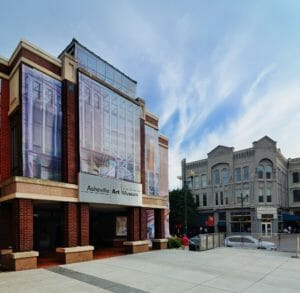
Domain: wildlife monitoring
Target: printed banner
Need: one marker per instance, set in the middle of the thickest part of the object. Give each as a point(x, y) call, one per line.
point(109, 132)
point(41, 122)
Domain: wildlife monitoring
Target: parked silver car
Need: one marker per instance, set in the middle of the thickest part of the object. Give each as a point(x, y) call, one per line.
point(249, 242)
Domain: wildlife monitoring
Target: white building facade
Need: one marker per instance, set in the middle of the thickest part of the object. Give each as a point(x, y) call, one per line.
point(252, 190)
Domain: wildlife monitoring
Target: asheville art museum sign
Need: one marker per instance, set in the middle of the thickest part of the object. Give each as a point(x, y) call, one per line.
point(109, 191)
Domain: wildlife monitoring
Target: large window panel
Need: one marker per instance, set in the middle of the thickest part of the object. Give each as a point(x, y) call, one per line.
point(41, 123)
point(151, 161)
point(109, 132)
point(104, 71)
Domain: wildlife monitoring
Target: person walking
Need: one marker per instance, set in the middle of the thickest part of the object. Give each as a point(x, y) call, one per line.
point(185, 242)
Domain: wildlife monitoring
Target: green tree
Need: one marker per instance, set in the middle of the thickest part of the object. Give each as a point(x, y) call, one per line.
point(177, 210)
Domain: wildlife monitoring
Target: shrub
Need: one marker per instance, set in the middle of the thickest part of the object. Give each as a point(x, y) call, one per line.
point(174, 242)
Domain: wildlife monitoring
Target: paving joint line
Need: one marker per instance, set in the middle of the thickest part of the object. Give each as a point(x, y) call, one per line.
point(95, 281)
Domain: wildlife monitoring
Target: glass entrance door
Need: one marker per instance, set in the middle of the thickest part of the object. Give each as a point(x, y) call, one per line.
point(266, 229)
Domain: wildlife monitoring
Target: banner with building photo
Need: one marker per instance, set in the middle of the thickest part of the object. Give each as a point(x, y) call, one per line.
point(163, 171)
point(41, 122)
point(109, 131)
point(150, 224)
point(151, 161)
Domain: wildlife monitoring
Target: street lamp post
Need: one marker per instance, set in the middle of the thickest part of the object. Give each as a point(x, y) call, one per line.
point(242, 203)
point(185, 206)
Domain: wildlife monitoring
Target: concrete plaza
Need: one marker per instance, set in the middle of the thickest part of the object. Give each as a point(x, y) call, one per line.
point(218, 270)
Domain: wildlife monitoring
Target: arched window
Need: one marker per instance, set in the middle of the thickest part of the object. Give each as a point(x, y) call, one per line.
point(265, 167)
point(260, 171)
point(268, 171)
point(225, 176)
point(216, 176)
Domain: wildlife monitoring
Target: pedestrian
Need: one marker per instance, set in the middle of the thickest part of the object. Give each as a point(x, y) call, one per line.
point(185, 242)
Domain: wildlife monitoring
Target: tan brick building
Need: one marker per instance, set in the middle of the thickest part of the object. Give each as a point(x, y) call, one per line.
point(251, 190)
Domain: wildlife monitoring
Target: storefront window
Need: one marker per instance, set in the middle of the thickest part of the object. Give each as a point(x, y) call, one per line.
point(240, 222)
point(42, 119)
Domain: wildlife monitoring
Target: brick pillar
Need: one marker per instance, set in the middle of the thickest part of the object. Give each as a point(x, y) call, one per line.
point(84, 224)
point(23, 224)
point(143, 224)
point(159, 223)
point(134, 224)
point(71, 224)
point(5, 147)
point(70, 164)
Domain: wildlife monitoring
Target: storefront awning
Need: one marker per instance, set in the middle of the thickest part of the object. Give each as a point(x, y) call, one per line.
point(288, 217)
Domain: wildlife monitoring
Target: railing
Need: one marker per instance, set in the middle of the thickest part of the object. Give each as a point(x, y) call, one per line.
point(209, 241)
point(285, 242)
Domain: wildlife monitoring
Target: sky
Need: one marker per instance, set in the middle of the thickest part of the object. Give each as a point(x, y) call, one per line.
point(215, 72)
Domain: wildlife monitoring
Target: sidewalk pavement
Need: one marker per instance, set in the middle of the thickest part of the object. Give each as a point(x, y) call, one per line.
point(218, 270)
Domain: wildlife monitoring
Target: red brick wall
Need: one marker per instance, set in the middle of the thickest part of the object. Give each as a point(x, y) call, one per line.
point(159, 223)
point(70, 164)
point(151, 120)
point(23, 224)
point(36, 59)
point(5, 226)
point(84, 224)
point(133, 224)
point(5, 163)
point(71, 224)
point(143, 224)
point(163, 141)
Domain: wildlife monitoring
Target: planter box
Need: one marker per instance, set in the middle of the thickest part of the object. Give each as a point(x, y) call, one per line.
point(136, 246)
point(69, 255)
point(19, 261)
point(159, 243)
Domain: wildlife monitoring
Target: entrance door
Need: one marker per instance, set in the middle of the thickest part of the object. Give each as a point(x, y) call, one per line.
point(266, 229)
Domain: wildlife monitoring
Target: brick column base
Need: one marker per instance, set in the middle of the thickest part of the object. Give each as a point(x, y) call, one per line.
point(159, 223)
point(23, 225)
point(71, 224)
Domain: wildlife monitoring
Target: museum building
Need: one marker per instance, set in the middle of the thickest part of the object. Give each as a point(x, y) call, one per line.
point(83, 166)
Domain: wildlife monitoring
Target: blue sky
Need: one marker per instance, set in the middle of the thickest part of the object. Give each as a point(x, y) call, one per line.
point(216, 72)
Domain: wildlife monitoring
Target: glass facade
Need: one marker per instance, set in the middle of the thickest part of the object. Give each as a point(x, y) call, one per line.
point(109, 131)
point(41, 124)
point(105, 71)
point(151, 161)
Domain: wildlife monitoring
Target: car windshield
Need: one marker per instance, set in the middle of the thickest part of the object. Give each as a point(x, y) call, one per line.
point(195, 239)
